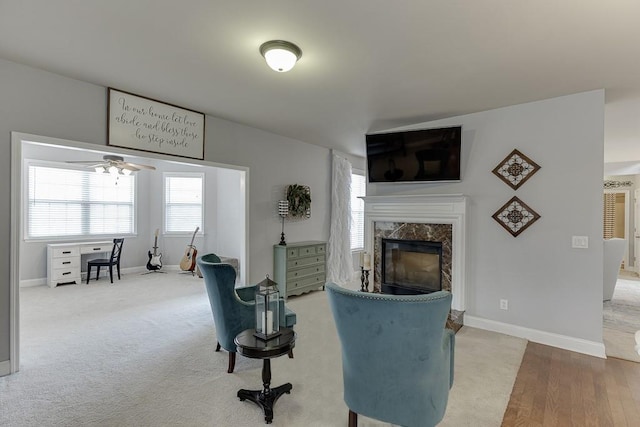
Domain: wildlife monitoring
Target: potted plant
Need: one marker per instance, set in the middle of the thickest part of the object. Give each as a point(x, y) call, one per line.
point(299, 198)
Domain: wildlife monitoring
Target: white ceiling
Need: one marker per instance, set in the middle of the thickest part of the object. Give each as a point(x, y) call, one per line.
point(366, 65)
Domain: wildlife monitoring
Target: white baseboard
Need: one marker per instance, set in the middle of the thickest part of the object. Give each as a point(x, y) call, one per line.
point(33, 282)
point(578, 345)
point(103, 273)
point(5, 368)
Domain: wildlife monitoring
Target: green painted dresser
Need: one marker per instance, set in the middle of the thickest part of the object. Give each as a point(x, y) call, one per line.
point(299, 267)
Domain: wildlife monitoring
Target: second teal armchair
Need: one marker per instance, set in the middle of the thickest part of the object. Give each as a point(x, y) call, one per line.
point(233, 308)
point(397, 356)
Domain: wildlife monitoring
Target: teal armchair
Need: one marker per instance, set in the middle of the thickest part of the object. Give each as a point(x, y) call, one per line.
point(233, 308)
point(397, 356)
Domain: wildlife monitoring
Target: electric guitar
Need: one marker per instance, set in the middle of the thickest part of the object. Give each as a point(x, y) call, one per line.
point(188, 262)
point(155, 259)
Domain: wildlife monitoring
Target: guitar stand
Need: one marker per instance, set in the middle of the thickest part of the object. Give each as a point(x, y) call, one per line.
point(193, 272)
point(153, 271)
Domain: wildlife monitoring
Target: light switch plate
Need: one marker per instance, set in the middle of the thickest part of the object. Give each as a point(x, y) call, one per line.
point(581, 242)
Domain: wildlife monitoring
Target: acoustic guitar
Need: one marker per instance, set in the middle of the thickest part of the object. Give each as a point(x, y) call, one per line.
point(188, 262)
point(155, 259)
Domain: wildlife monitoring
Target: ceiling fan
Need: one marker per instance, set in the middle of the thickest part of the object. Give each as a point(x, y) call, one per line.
point(114, 165)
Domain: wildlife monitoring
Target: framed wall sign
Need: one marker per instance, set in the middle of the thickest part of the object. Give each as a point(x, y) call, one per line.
point(149, 125)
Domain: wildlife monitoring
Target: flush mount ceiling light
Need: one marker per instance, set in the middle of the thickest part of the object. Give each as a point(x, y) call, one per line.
point(280, 55)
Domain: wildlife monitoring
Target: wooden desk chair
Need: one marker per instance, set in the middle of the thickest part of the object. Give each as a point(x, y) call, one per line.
point(114, 259)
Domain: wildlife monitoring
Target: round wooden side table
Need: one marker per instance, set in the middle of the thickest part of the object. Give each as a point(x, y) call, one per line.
point(256, 348)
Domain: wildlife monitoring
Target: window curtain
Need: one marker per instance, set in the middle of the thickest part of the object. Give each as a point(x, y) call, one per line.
point(340, 264)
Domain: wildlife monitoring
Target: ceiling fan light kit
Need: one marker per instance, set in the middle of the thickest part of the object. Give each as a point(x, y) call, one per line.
point(280, 55)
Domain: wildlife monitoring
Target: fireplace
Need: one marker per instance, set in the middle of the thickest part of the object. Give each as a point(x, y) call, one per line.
point(429, 218)
point(410, 267)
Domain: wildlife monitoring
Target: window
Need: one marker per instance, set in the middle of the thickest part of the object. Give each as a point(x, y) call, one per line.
point(183, 206)
point(65, 202)
point(358, 189)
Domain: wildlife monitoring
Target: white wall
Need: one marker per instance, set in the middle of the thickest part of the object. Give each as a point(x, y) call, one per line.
point(174, 246)
point(42, 103)
point(550, 286)
point(274, 163)
point(230, 213)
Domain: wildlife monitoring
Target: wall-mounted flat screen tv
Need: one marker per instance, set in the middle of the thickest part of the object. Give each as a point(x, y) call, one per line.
point(428, 155)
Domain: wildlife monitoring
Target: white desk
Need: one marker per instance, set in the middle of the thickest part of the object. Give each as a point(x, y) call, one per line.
point(64, 260)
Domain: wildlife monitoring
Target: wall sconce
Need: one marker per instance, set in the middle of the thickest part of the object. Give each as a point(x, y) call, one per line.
point(283, 211)
point(280, 55)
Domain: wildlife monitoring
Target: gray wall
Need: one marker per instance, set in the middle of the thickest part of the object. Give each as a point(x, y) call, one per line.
point(42, 103)
point(550, 286)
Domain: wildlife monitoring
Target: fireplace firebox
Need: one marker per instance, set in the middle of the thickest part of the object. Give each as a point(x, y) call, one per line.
point(411, 267)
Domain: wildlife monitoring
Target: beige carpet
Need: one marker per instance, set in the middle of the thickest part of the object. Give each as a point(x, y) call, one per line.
point(621, 319)
point(141, 353)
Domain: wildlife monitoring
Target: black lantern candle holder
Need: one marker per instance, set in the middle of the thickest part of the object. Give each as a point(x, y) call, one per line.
point(267, 310)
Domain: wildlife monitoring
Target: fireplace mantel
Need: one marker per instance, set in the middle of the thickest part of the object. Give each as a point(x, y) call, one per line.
point(425, 209)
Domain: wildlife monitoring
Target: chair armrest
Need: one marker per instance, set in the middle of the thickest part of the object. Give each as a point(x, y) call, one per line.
point(448, 345)
point(247, 293)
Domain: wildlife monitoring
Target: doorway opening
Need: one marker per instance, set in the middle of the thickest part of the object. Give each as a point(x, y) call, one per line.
point(621, 311)
point(227, 216)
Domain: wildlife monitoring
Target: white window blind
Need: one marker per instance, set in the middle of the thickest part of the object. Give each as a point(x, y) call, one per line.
point(183, 195)
point(358, 189)
point(67, 202)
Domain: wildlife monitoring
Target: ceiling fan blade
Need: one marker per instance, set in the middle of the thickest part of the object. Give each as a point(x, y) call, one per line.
point(130, 166)
point(138, 166)
point(92, 165)
point(86, 162)
point(112, 160)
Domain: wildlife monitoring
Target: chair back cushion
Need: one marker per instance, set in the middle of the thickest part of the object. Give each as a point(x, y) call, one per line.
point(230, 314)
point(396, 355)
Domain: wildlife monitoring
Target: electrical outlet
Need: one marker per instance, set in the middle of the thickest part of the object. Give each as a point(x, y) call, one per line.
point(504, 304)
point(581, 242)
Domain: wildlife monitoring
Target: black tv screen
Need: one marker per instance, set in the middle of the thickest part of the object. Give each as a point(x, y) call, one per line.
point(428, 155)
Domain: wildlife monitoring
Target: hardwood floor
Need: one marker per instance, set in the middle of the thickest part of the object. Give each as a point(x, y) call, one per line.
point(556, 387)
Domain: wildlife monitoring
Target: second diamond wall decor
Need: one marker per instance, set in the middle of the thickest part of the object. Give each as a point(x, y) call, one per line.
point(515, 216)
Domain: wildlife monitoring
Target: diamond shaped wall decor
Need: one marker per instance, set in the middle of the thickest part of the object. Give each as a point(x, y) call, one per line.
point(515, 216)
point(515, 169)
